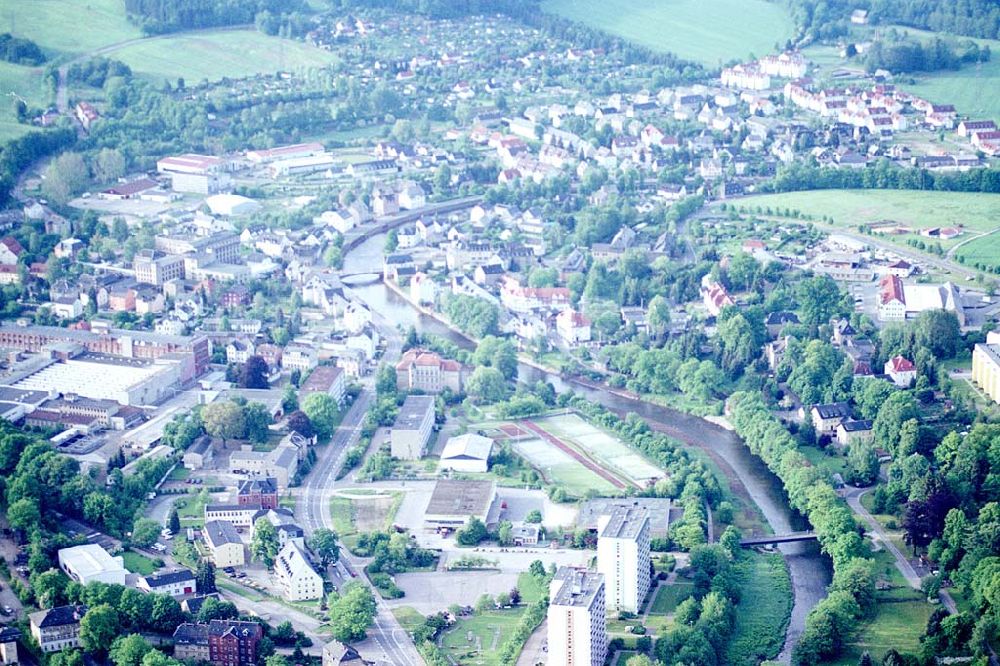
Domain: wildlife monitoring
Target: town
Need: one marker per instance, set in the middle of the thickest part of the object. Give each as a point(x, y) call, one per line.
point(481, 335)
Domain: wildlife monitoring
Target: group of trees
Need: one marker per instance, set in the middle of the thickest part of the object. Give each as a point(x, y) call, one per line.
point(20, 51)
point(234, 419)
point(905, 55)
point(160, 16)
point(472, 315)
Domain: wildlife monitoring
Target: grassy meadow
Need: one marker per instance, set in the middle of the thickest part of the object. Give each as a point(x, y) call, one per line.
point(65, 27)
point(708, 32)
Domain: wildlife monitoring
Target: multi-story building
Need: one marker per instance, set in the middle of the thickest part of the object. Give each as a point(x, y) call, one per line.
point(57, 628)
point(191, 642)
point(577, 631)
point(152, 267)
point(9, 636)
point(421, 370)
point(279, 464)
point(233, 643)
point(412, 428)
point(986, 369)
point(298, 579)
point(327, 379)
point(224, 543)
point(623, 557)
point(260, 493)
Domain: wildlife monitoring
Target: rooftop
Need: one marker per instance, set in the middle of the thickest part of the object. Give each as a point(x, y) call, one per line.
point(466, 498)
point(412, 413)
point(625, 523)
point(89, 560)
point(579, 587)
point(221, 532)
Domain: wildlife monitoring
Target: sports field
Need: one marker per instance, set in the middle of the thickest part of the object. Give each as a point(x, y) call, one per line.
point(559, 468)
point(706, 31)
point(217, 54)
point(916, 210)
point(601, 446)
point(477, 639)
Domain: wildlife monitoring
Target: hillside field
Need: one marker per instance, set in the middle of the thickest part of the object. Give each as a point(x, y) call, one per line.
point(65, 27)
point(710, 32)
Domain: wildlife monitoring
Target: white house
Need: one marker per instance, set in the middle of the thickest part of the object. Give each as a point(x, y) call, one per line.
point(423, 291)
point(411, 196)
point(180, 583)
point(901, 371)
point(573, 327)
point(296, 576)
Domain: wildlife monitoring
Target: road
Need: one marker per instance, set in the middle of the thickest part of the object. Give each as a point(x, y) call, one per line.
point(312, 510)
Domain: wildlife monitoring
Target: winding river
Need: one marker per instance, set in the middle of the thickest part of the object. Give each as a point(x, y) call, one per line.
point(810, 570)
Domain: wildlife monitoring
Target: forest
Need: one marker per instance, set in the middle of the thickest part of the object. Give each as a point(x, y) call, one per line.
point(162, 16)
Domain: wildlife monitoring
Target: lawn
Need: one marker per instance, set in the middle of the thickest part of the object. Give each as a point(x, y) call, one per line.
point(531, 590)
point(897, 624)
point(25, 82)
point(477, 639)
point(826, 459)
point(763, 611)
point(139, 563)
point(408, 618)
point(191, 509)
point(708, 32)
point(218, 54)
point(69, 26)
point(667, 598)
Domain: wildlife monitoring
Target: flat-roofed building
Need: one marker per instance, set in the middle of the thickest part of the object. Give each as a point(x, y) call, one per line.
point(412, 428)
point(90, 563)
point(280, 464)
point(455, 501)
point(224, 543)
point(986, 369)
point(577, 628)
point(623, 557)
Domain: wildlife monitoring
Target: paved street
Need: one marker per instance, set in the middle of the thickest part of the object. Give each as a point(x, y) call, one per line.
point(390, 642)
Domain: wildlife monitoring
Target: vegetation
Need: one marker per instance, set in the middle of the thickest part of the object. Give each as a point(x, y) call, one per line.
point(158, 16)
point(20, 51)
point(352, 611)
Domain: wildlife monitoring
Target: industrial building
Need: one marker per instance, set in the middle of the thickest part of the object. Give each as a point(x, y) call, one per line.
point(90, 563)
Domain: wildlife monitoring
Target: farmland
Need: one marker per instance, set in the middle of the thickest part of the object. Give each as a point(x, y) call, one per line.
point(26, 82)
point(63, 27)
point(707, 32)
point(983, 251)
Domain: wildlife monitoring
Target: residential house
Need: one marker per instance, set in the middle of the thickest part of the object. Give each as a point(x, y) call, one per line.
point(851, 432)
point(224, 544)
point(57, 629)
point(901, 371)
point(191, 642)
point(298, 579)
point(180, 583)
point(426, 371)
point(233, 642)
point(826, 418)
point(327, 379)
point(573, 326)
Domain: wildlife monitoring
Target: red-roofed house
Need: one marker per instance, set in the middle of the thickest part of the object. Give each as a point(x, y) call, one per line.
point(714, 296)
point(426, 371)
point(573, 327)
point(528, 299)
point(901, 371)
point(892, 301)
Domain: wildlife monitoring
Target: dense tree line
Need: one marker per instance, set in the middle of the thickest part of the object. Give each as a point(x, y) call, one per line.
point(975, 18)
point(852, 593)
point(905, 55)
point(20, 51)
point(17, 154)
point(882, 176)
point(161, 16)
point(96, 71)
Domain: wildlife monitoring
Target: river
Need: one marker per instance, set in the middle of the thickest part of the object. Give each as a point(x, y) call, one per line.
point(809, 569)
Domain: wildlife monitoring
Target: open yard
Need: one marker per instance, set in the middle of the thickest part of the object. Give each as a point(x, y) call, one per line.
point(709, 32)
point(668, 597)
point(477, 639)
point(357, 511)
point(25, 82)
point(602, 446)
point(191, 509)
point(217, 54)
point(138, 563)
point(897, 624)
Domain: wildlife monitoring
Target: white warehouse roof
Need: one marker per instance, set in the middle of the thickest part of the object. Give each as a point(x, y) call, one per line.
point(469, 447)
point(231, 204)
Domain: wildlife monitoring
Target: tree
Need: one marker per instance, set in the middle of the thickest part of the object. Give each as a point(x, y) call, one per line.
point(486, 386)
point(505, 533)
point(145, 532)
point(213, 609)
point(323, 543)
point(166, 613)
point(205, 577)
point(129, 650)
point(534, 516)
point(352, 612)
point(300, 423)
point(863, 465)
point(658, 317)
point(174, 520)
point(65, 177)
point(264, 545)
point(896, 410)
point(323, 412)
point(738, 347)
point(66, 657)
point(385, 380)
point(254, 374)
point(472, 534)
point(819, 299)
point(49, 587)
point(290, 399)
point(537, 569)
point(730, 540)
point(639, 660)
point(108, 165)
point(24, 515)
point(98, 628)
point(224, 419)
point(256, 420)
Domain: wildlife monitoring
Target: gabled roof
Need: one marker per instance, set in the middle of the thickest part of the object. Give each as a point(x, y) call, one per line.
point(900, 364)
point(58, 616)
point(168, 578)
point(833, 410)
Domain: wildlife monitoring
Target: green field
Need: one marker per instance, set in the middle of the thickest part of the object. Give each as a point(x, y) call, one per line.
point(708, 32)
point(668, 597)
point(138, 563)
point(983, 251)
point(191, 509)
point(365, 513)
point(25, 82)
point(477, 639)
point(560, 469)
point(764, 608)
point(217, 54)
point(68, 26)
point(913, 208)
